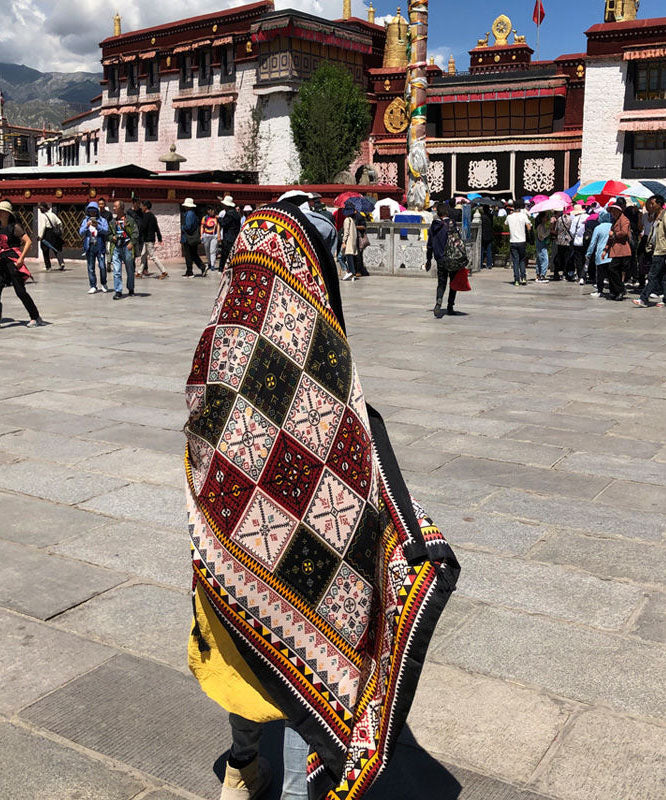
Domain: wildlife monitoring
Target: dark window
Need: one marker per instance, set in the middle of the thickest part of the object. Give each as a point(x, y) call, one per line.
point(184, 123)
point(205, 71)
point(131, 127)
point(227, 64)
point(114, 83)
point(88, 151)
point(185, 71)
point(152, 119)
point(649, 151)
point(132, 81)
point(153, 75)
point(112, 129)
point(650, 81)
point(95, 148)
point(203, 122)
point(226, 125)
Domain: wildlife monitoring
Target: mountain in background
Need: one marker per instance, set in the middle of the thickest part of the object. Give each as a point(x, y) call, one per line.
point(36, 98)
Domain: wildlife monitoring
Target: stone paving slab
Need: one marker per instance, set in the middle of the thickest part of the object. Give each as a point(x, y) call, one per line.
point(483, 723)
point(604, 756)
point(35, 767)
point(36, 659)
point(164, 441)
point(478, 529)
point(42, 585)
point(156, 505)
point(641, 496)
point(147, 620)
point(498, 473)
point(143, 714)
point(579, 515)
point(607, 558)
point(631, 469)
point(134, 548)
point(543, 419)
point(28, 520)
point(588, 442)
point(54, 482)
point(136, 464)
point(506, 450)
point(50, 446)
point(651, 624)
point(39, 420)
point(547, 589)
point(581, 664)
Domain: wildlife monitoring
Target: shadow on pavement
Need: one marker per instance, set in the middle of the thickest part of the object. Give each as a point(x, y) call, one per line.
point(412, 773)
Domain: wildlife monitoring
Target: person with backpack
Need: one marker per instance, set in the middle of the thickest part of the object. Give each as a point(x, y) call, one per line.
point(577, 229)
point(542, 242)
point(562, 256)
point(14, 246)
point(190, 238)
point(124, 241)
point(95, 230)
point(447, 248)
point(49, 234)
point(210, 236)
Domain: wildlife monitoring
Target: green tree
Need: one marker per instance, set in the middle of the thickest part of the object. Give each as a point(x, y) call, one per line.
point(330, 119)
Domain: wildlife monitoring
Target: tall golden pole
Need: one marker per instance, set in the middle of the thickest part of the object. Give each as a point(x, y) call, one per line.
point(417, 83)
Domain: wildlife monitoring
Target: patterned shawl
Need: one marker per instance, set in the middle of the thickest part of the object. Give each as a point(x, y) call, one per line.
point(327, 575)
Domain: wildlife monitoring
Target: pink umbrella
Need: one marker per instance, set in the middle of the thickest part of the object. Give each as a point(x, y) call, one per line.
point(552, 203)
point(539, 198)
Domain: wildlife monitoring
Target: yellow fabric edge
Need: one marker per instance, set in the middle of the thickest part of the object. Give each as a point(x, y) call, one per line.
point(222, 672)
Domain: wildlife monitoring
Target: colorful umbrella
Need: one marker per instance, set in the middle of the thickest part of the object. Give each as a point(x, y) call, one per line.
point(572, 190)
point(341, 198)
point(637, 190)
point(553, 203)
point(539, 198)
point(602, 190)
point(364, 204)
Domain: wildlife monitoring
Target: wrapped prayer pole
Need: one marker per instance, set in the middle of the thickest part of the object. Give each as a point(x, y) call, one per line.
point(418, 196)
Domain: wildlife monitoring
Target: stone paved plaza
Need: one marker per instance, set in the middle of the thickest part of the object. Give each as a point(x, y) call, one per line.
point(533, 429)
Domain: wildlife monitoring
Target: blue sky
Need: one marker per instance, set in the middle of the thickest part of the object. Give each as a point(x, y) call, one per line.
point(455, 26)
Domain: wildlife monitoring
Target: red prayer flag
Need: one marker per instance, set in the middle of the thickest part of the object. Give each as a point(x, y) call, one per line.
point(539, 13)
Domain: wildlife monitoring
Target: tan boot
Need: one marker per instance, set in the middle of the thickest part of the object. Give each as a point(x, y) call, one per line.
point(248, 783)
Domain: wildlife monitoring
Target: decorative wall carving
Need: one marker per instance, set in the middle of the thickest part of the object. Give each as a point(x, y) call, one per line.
point(395, 116)
point(482, 173)
point(387, 172)
point(539, 175)
point(436, 176)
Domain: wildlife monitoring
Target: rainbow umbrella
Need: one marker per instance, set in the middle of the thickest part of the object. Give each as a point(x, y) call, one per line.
point(602, 190)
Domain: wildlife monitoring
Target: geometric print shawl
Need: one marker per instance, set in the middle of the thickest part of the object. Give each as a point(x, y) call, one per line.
point(329, 578)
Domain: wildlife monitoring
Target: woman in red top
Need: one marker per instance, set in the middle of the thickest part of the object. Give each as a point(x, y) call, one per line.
point(619, 250)
point(210, 236)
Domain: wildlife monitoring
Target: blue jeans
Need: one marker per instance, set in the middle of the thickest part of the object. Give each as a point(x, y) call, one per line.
point(541, 258)
point(122, 254)
point(519, 260)
point(93, 255)
point(487, 255)
point(245, 746)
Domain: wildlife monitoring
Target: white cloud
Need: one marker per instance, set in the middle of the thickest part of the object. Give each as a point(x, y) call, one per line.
point(64, 36)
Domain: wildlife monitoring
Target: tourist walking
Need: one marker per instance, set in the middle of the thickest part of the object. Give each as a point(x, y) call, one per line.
point(136, 213)
point(619, 250)
point(487, 236)
point(577, 229)
point(438, 236)
point(49, 233)
point(14, 246)
point(267, 464)
point(596, 252)
point(656, 280)
point(95, 231)
point(542, 243)
point(104, 213)
point(190, 238)
point(230, 225)
point(210, 236)
point(152, 236)
point(562, 256)
point(124, 240)
point(349, 246)
point(519, 224)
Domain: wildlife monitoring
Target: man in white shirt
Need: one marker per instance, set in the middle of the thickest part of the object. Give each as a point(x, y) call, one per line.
point(519, 223)
point(49, 232)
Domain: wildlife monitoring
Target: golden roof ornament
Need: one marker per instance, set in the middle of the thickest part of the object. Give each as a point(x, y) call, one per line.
point(621, 10)
point(116, 25)
point(452, 65)
point(501, 29)
point(395, 50)
point(395, 116)
point(346, 9)
point(371, 14)
point(483, 42)
point(518, 39)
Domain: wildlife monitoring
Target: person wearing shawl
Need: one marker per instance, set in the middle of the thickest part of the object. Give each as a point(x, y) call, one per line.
point(318, 580)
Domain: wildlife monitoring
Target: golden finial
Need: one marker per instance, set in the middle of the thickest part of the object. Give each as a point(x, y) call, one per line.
point(116, 25)
point(395, 50)
point(371, 14)
point(621, 10)
point(346, 9)
point(452, 65)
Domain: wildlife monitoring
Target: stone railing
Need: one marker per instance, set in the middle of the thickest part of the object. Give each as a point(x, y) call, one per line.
point(399, 248)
